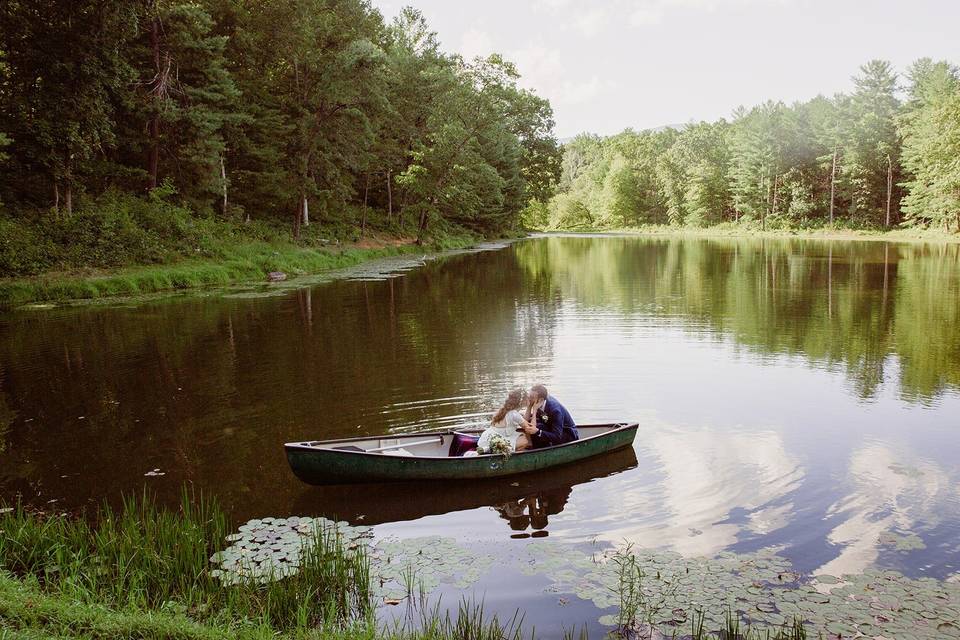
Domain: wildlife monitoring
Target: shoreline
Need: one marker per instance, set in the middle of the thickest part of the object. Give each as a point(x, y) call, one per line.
point(250, 262)
point(916, 236)
point(245, 263)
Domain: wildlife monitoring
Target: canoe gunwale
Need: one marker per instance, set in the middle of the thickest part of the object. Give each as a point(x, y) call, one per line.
point(618, 427)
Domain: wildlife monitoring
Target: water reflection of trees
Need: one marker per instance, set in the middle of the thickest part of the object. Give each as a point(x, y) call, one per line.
point(842, 304)
point(209, 389)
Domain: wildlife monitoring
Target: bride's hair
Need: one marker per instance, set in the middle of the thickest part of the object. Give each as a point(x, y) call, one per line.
point(514, 401)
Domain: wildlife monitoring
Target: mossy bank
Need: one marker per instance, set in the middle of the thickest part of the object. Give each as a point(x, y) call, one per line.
point(234, 263)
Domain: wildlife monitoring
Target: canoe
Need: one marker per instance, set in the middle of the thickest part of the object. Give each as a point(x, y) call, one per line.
point(424, 456)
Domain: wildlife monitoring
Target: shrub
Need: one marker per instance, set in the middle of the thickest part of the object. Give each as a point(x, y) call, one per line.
point(567, 212)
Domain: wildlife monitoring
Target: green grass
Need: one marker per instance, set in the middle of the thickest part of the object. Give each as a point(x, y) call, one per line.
point(123, 245)
point(148, 559)
point(235, 263)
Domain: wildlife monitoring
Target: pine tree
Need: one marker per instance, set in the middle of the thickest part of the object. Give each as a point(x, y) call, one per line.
point(931, 145)
point(871, 161)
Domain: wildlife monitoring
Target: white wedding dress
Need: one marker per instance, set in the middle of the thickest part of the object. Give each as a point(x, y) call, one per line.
point(506, 428)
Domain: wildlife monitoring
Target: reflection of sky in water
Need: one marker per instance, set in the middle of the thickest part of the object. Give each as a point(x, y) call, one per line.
point(739, 450)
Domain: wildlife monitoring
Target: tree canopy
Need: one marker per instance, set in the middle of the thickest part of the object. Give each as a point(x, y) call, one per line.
point(276, 110)
point(867, 159)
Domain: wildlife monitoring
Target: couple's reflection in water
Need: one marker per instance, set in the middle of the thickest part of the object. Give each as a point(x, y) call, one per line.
point(529, 516)
point(526, 502)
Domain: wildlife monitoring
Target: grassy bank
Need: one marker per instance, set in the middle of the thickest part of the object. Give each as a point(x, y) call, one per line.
point(144, 572)
point(240, 262)
point(121, 245)
point(732, 230)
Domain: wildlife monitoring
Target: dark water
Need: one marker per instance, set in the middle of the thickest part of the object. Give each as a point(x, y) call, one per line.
point(798, 394)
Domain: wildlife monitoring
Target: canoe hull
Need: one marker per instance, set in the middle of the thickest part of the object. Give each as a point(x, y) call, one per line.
point(320, 466)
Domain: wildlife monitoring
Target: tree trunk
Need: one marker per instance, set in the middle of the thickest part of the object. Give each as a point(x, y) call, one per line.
point(389, 196)
point(889, 186)
point(833, 183)
point(223, 180)
point(766, 207)
point(68, 185)
point(56, 197)
point(363, 216)
point(153, 160)
point(421, 226)
point(306, 212)
point(298, 218)
point(776, 194)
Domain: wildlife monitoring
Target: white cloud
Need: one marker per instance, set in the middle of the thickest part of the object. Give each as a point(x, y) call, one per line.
point(541, 67)
point(646, 15)
point(653, 12)
point(475, 42)
point(552, 5)
point(591, 22)
point(579, 91)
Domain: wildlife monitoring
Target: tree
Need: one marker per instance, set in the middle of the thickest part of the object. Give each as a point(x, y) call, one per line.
point(64, 75)
point(931, 145)
point(872, 157)
point(185, 98)
point(761, 138)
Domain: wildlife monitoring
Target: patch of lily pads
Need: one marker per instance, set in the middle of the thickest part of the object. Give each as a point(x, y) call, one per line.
point(761, 588)
point(267, 549)
point(903, 543)
point(404, 567)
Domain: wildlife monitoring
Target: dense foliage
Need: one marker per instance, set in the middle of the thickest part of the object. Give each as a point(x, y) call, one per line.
point(276, 111)
point(866, 159)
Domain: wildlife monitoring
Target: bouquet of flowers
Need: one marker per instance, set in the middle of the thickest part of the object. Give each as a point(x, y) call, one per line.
point(499, 444)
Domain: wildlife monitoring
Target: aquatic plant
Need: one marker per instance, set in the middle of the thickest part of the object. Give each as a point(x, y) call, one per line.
point(324, 577)
point(147, 557)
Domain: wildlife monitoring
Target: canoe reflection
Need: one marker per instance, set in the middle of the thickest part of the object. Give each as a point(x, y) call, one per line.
point(531, 496)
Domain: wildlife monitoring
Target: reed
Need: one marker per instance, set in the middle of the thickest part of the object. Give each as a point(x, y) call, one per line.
point(147, 558)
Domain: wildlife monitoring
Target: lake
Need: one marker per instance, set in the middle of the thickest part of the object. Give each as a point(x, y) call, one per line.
point(795, 395)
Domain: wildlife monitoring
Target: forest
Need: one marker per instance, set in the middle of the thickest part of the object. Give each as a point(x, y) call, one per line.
point(134, 132)
point(885, 155)
point(147, 132)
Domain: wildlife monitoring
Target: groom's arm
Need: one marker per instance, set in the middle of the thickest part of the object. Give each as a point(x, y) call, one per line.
point(551, 430)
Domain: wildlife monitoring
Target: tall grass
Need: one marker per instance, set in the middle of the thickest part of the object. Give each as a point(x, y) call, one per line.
point(149, 558)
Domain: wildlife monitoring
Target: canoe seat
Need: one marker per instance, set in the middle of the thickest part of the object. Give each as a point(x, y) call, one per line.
point(461, 443)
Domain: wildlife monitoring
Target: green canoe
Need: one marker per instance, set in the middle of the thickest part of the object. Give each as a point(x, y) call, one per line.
point(424, 456)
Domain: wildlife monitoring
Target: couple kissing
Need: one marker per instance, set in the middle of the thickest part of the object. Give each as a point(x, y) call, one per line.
point(544, 423)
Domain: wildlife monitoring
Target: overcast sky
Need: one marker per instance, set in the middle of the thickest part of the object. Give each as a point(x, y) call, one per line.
point(611, 64)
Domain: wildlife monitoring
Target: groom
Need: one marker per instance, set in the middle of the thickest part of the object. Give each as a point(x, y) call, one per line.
point(553, 423)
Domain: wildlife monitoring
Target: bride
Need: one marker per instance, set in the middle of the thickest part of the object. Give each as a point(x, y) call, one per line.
point(507, 422)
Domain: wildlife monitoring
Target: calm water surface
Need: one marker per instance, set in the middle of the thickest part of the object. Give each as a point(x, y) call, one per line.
point(797, 394)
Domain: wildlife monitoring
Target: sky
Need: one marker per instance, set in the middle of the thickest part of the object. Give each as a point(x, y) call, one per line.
point(608, 65)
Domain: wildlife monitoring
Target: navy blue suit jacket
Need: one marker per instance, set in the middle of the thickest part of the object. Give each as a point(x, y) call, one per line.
point(555, 424)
